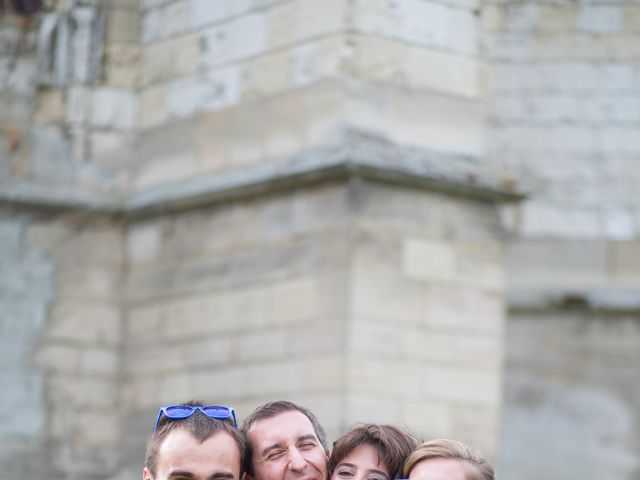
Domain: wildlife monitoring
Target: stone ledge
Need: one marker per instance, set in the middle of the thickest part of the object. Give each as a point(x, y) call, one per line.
point(590, 299)
point(359, 156)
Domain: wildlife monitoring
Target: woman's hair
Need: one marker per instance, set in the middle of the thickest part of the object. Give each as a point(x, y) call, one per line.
point(391, 443)
point(444, 448)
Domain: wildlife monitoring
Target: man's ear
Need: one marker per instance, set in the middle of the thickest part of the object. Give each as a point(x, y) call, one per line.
point(146, 474)
point(246, 476)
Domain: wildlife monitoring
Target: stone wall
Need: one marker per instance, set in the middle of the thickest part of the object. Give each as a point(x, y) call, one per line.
point(61, 328)
point(231, 84)
point(322, 295)
point(565, 110)
point(299, 198)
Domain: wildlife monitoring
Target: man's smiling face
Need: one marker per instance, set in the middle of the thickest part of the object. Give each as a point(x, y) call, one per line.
point(182, 457)
point(285, 447)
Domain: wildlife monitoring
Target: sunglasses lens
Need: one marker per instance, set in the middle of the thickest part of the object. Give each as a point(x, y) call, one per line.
point(178, 411)
point(217, 411)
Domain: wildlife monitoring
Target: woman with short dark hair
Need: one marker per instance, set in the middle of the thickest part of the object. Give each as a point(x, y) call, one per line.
point(370, 452)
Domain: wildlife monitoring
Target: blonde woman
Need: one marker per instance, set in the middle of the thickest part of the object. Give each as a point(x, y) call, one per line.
point(447, 460)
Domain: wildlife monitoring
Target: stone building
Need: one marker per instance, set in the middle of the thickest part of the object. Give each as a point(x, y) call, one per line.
point(424, 212)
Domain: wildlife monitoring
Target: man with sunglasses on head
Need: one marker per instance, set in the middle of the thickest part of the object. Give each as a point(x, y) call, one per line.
point(285, 442)
point(196, 442)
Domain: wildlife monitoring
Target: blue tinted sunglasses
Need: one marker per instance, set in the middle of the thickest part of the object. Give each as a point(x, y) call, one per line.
point(176, 412)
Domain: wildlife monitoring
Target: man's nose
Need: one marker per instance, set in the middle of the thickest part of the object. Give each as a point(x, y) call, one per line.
point(297, 463)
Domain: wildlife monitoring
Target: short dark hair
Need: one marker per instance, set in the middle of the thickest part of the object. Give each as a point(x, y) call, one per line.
point(272, 409)
point(391, 443)
point(200, 426)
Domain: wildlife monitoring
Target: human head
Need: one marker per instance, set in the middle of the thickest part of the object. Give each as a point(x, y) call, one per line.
point(284, 441)
point(205, 435)
point(440, 451)
point(390, 444)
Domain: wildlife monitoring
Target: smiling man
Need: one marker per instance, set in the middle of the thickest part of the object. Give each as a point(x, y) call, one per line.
point(195, 442)
point(285, 442)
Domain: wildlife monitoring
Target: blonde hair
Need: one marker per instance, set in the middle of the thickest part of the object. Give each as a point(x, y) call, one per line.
point(453, 449)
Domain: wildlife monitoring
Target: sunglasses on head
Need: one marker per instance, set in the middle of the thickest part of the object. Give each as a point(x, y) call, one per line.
point(177, 412)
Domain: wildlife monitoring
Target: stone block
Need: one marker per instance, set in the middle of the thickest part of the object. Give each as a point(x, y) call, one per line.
point(631, 18)
point(383, 296)
point(418, 68)
point(216, 90)
point(290, 23)
point(210, 352)
point(493, 17)
point(51, 155)
point(622, 47)
point(453, 125)
point(322, 372)
point(455, 308)
point(377, 377)
point(27, 278)
point(50, 107)
point(523, 17)
point(558, 18)
point(543, 218)
point(235, 40)
point(178, 382)
point(11, 235)
point(538, 263)
point(619, 223)
point(430, 260)
point(319, 337)
point(78, 105)
point(476, 350)
point(625, 262)
point(375, 409)
point(462, 32)
point(69, 322)
point(114, 108)
point(56, 357)
point(100, 362)
point(294, 300)
point(168, 59)
point(153, 107)
point(191, 324)
point(90, 283)
point(122, 65)
point(145, 359)
point(459, 384)
point(143, 322)
point(97, 428)
point(414, 21)
point(85, 392)
point(203, 12)
point(123, 26)
point(428, 418)
point(600, 19)
point(366, 336)
point(150, 4)
point(165, 20)
point(281, 378)
point(143, 242)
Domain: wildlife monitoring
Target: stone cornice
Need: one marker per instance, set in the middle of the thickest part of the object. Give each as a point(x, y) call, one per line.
point(553, 299)
point(360, 157)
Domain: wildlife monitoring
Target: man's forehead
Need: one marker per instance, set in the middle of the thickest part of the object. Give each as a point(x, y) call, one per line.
point(288, 425)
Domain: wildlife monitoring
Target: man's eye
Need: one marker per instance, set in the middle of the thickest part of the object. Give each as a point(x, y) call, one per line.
point(344, 473)
point(307, 445)
point(275, 454)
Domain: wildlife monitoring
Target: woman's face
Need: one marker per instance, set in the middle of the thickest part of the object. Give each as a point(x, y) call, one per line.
point(438, 469)
point(361, 464)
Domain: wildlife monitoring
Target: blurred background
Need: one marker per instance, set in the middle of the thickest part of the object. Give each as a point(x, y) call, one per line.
point(424, 212)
